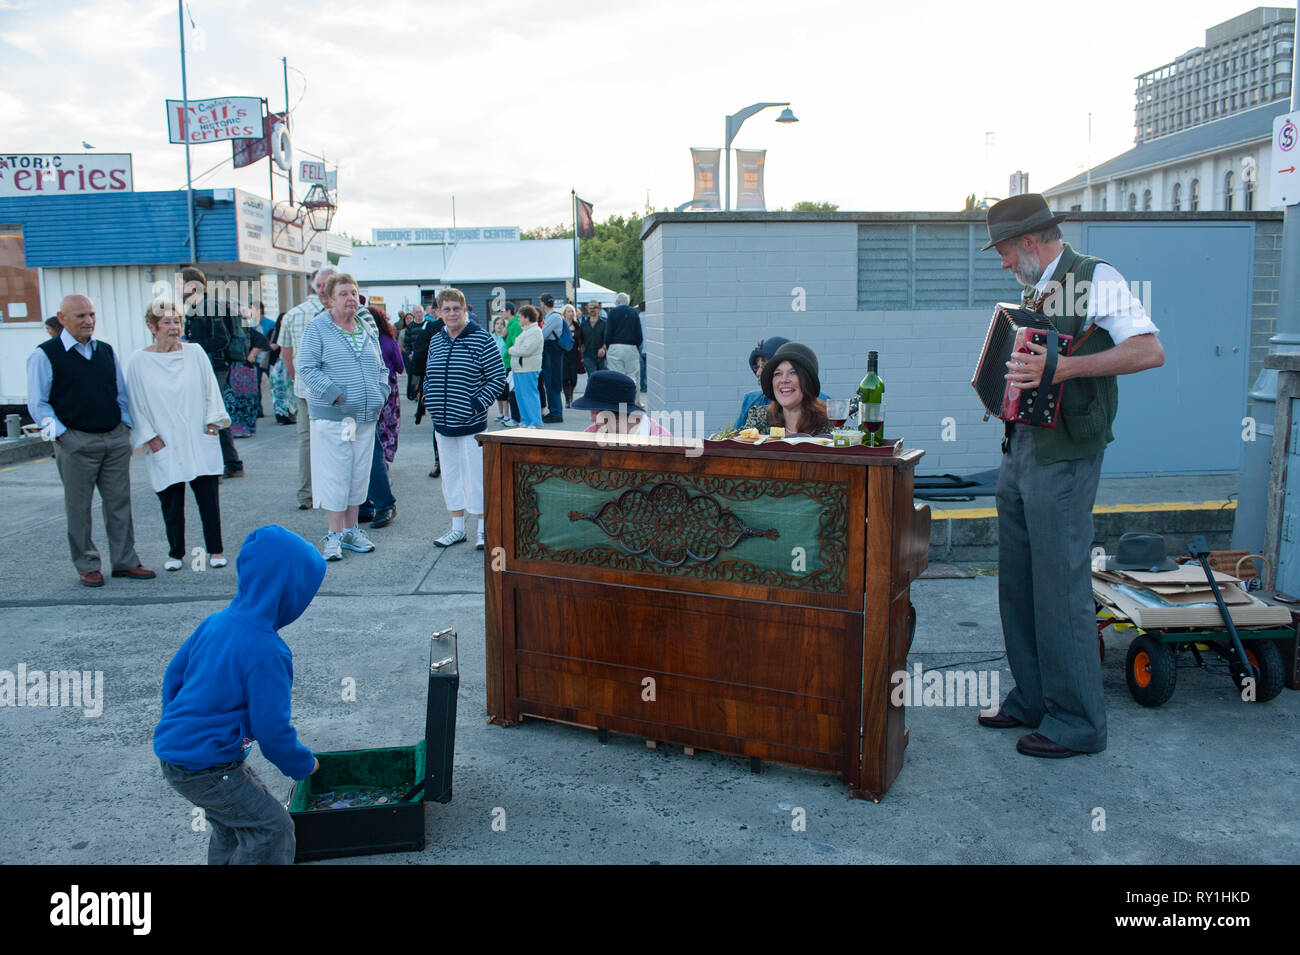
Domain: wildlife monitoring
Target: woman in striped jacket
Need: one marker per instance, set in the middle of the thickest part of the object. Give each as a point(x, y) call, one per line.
point(464, 375)
point(342, 369)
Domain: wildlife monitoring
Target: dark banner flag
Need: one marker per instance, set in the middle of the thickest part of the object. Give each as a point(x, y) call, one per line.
point(705, 162)
point(749, 175)
point(584, 222)
point(248, 151)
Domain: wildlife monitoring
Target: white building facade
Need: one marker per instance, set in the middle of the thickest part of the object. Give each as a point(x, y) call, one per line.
point(1203, 127)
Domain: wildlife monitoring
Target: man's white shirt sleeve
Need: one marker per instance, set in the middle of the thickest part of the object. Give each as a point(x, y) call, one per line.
point(1112, 306)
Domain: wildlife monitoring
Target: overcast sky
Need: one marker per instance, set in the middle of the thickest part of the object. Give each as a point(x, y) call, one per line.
point(508, 104)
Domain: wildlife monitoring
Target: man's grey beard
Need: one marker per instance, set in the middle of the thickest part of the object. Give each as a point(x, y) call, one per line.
point(1027, 270)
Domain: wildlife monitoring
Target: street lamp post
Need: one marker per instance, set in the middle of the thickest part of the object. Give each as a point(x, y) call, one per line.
point(734, 122)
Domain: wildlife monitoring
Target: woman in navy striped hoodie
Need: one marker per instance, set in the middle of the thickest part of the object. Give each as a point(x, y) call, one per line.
point(463, 377)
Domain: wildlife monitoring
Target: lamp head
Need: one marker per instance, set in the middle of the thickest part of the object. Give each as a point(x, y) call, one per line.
point(787, 116)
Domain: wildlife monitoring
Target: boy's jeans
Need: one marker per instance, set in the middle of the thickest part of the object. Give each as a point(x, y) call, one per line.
point(249, 825)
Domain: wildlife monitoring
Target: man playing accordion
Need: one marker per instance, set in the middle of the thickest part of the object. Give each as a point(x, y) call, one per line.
point(1048, 480)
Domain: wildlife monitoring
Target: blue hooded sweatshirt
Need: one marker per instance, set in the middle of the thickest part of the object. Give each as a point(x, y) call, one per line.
point(229, 683)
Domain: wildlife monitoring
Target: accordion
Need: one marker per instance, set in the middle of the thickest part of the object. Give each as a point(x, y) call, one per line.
point(1009, 332)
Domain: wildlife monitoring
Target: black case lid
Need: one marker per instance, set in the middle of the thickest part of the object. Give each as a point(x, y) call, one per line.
point(440, 716)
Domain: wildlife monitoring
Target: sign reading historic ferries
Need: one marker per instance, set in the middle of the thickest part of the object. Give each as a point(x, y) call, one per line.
point(64, 174)
point(1285, 185)
point(214, 120)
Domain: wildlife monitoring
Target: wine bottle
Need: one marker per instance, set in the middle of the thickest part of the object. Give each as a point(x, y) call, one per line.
point(871, 405)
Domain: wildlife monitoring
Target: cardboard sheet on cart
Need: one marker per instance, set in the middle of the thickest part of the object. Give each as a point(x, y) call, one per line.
point(1151, 610)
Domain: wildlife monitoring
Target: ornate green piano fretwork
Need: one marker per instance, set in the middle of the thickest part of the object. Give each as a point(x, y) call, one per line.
point(781, 533)
point(669, 526)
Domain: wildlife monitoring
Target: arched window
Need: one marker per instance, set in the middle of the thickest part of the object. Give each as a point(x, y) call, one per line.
point(1178, 197)
point(1248, 188)
point(1229, 184)
point(1146, 201)
point(1194, 201)
point(1132, 202)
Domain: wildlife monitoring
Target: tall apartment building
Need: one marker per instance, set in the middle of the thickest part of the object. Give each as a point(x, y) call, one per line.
point(1203, 125)
point(1246, 62)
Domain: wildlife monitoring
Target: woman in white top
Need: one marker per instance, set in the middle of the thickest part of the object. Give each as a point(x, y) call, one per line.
point(525, 364)
point(177, 410)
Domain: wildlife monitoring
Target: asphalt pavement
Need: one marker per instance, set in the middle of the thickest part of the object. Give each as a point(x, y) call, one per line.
point(1204, 779)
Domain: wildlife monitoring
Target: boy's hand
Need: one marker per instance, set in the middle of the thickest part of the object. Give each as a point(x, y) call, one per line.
point(316, 765)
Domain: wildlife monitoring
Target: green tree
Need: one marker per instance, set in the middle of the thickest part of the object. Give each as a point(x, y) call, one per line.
point(612, 257)
point(808, 206)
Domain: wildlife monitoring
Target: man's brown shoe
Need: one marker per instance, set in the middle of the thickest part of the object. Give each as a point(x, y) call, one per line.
point(137, 572)
point(92, 579)
point(1036, 744)
point(999, 721)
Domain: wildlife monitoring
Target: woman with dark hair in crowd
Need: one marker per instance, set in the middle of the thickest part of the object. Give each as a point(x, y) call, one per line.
point(791, 385)
point(283, 402)
point(390, 418)
point(572, 364)
point(243, 395)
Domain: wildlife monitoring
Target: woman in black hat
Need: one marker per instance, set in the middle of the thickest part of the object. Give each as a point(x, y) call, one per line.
point(611, 399)
point(791, 384)
point(763, 351)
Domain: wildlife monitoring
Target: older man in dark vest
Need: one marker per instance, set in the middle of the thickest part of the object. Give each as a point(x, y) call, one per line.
point(77, 394)
point(1048, 480)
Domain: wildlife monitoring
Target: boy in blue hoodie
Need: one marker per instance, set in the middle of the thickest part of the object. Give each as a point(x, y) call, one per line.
point(228, 685)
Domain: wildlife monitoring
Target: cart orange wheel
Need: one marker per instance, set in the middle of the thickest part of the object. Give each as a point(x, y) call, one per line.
point(1142, 669)
point(1150, 670)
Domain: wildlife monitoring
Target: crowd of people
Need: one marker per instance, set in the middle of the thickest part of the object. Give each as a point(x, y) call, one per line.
point(331, 366)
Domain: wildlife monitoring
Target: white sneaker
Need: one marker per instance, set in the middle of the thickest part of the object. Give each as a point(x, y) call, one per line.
point(354, 538)
point(479, 545)
point(172, 564)
point(451, 537)
point(218, 562)
point(333, 549)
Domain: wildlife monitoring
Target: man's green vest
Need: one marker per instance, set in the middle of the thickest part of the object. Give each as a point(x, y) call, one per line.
point(1088, 405)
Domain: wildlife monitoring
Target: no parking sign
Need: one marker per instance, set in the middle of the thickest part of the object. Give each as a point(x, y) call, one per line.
point(1285, 186)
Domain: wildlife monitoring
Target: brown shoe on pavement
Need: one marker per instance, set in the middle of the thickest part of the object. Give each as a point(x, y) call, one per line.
point(1036, 744)
point(137, 572)
point(999, 721)
point(92, 579)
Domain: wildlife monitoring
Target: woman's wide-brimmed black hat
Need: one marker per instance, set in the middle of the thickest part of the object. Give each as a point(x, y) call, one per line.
point(765, 349)
point(1020, 215)
point(799, 354)
point(606, 390)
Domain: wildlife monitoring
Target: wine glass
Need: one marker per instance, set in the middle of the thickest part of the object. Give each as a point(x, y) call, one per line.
point(837, 410)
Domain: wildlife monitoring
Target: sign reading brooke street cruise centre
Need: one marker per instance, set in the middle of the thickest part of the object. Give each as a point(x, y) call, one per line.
point(213, 120)
point(64, 174)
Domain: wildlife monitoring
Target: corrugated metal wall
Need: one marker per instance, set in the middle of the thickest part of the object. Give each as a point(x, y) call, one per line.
point(119, 229)
point(120, 293)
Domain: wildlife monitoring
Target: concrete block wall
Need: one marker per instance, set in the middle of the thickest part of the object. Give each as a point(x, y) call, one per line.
point(716, 283)
point(714, 289)
point(1265, 288)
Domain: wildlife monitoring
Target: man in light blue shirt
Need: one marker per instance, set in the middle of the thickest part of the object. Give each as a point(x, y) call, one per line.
point(77, 394)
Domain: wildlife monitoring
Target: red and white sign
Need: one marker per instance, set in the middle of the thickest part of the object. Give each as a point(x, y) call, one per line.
point(1284, 180)
point(313, 172)
point(214, 120)
point(64, 174)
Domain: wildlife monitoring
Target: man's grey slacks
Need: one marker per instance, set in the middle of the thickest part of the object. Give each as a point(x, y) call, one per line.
point(304, 453)
point(1045, 594)
point(86, 461)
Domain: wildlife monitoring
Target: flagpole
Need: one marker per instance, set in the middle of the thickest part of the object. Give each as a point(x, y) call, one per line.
point(185, 131)
point(573, 203)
